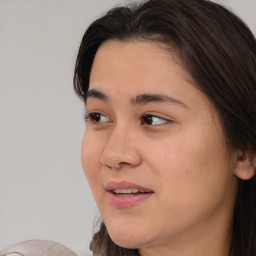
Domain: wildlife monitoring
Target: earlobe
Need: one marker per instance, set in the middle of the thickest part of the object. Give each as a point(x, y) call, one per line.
point(246, 166)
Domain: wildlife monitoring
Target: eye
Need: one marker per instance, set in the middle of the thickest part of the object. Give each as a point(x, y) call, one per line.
point(153, 120)
point(97, 117)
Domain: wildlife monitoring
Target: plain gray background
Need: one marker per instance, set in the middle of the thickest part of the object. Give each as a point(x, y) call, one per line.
point(43, 191)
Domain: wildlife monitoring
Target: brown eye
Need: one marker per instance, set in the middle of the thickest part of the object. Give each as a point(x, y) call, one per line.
point(147, 119)
point(97, 117)
point(153, 120)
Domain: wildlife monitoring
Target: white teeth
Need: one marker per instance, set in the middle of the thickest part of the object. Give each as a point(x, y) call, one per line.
point(126, 191)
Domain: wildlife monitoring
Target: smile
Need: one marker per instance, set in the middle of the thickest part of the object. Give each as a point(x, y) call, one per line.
point(125, 194)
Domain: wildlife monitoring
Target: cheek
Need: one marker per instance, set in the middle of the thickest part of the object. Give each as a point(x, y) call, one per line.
point(197, 151)
point(90, 155)
point(193, 170)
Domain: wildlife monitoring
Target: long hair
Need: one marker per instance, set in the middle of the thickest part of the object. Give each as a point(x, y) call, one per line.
point(219, 52)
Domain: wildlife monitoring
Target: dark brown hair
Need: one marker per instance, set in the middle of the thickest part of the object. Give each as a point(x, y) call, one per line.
point(219, 52)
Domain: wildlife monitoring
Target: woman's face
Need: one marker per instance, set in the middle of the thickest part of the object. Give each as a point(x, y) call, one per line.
point(154, 150)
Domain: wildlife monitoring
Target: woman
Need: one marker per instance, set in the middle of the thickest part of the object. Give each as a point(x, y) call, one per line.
point(169, 148)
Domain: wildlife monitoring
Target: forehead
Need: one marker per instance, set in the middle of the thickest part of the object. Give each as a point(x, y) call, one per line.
point(142, 63)
point(139, 53)
point(138, 67)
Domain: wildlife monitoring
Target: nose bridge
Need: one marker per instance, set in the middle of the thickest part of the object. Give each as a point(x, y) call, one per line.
point(117, 140)
point(121, 147)
point(122, 132)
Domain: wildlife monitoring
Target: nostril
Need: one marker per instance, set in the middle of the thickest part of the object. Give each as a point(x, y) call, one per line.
point(125, 164)
point(13, 254)
point(118, 166)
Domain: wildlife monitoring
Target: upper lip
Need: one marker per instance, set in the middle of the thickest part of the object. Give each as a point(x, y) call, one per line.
point(113, 185)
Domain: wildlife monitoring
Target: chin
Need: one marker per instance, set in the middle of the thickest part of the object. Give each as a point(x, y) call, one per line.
point(127, 242)
point(128, 238)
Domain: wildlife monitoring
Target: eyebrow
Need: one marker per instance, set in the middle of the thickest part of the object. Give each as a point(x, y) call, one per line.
point(159, 98)
point(96, 94)
point(138, 100)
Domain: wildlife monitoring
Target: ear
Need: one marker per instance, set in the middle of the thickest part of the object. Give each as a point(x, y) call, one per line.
point(246, 165)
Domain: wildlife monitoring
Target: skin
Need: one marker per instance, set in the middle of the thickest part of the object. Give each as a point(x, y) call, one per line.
point(181, 155)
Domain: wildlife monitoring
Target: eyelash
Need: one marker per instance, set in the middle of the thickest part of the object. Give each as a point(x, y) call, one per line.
point(94, 117)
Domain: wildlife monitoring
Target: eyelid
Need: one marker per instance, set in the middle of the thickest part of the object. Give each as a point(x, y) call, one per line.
point(155, 116)
point(164, 116)
point(89, 117)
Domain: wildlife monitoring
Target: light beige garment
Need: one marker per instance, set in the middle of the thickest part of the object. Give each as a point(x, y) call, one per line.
point(37, 248)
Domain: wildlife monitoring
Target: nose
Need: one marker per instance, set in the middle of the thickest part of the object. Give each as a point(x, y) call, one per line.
point(121, 149)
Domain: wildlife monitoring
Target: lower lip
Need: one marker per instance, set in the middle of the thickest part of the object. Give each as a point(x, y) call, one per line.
point(127, 201)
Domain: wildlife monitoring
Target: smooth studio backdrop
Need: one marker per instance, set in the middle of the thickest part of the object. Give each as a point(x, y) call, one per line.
point(43, 191)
